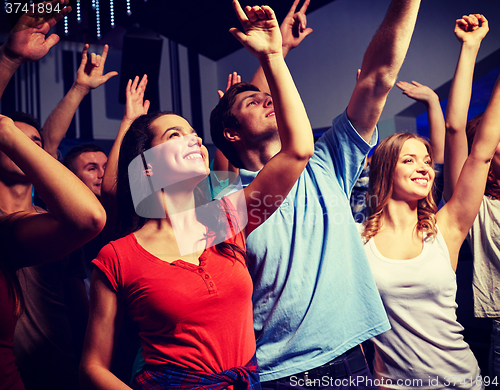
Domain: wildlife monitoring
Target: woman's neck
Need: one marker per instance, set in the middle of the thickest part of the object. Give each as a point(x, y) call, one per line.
point(400, 216)
point(180, 229)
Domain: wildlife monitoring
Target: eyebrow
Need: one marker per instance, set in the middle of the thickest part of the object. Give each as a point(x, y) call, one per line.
point(178, 128)
point(414, 155)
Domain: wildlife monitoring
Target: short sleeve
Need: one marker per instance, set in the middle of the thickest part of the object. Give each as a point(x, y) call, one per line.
point(342, 151)
point(107, 262)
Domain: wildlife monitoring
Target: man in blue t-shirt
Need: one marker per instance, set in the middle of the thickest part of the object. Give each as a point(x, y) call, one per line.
point(314, 296)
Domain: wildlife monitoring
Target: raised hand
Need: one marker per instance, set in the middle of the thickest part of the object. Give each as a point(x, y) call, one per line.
point(27, 41)
point(471, 28)
point(261, 34)
point(416, 91)
point(135, 105)
point(294, 27)
point(90, 72)
point(233, 78)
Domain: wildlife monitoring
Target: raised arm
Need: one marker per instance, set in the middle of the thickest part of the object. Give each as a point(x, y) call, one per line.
point(27, 41)
point(75, 216)
point(293, 31)
point(381, 63)
point(457, 216)
point(425, 95)
point(470, 31)
point(135, 106)
point(89, 76)
point(221, 164)
point(262, 37)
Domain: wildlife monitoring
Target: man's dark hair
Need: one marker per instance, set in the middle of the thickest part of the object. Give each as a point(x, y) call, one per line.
point(222, 117)
point(71, 156)
point(19, 116)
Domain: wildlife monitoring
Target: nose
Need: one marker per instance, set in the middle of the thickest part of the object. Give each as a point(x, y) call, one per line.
point(423, 168)
point(100, 173)
point(268, 102)
point(194, 140)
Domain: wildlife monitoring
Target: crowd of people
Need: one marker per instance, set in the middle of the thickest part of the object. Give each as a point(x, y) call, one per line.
point(270, 267)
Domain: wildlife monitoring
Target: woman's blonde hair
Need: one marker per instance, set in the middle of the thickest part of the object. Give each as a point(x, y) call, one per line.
point(382, 166)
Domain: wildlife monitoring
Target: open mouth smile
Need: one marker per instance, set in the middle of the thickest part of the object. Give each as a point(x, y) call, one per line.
point(193, 156)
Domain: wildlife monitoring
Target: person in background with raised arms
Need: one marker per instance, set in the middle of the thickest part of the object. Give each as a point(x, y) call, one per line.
point(311, 276)
point(32, 237)
point(90, 75)
point(49, 334)
point(29, 236)
point(413, 252)
point(460, 134)
point(27, 42)
point(425, 95)
point(192, 330)
point(293, 31)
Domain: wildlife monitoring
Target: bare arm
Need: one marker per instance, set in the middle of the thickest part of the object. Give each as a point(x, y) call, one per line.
point(135, 107)
point(470, 31)
point(69, 224)
point(89, 76)
point(293, 31)
point(423, 94)
point(221, 163)
point(457, 216)
point(381, 64)
point(262, 38)
point(27, 41)
point(106, 317)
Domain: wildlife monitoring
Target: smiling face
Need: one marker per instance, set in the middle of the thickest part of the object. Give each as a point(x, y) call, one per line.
point(89, 167)
point(176, 150)
point(413, 174)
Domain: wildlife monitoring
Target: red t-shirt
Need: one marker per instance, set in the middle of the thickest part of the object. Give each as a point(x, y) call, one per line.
point(193, 316)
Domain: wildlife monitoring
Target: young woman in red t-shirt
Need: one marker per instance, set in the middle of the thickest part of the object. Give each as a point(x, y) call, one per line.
point(182, 275)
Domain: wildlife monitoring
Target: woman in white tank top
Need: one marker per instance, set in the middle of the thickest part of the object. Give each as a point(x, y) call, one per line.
point(413, 252)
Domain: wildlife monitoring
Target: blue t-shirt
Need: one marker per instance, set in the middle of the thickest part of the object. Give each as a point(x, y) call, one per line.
point(314, 295)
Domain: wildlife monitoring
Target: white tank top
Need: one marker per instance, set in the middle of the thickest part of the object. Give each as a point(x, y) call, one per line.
point(424, 346)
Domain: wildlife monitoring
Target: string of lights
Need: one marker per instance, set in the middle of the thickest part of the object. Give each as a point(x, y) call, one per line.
point(98, 19)
point(112, 12)
point(78, 12)
point(96, 9)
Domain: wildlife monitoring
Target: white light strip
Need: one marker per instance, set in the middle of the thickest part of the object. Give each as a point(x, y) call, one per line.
point(129, 11)
point(112, 12)
point(66, 26)
point(98, 19)
point(78, 12)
